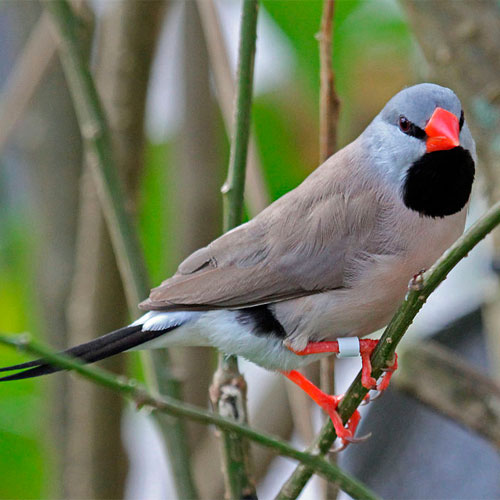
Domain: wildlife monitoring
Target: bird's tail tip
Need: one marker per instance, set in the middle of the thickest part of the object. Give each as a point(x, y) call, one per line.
point(100, 348)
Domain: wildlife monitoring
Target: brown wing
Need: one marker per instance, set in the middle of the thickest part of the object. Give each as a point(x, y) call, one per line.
point(298, 246)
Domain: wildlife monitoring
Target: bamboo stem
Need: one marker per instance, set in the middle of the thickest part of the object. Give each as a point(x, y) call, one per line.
point(165, 404)
point(228, 385)
point(419, 291)
point(96, 137)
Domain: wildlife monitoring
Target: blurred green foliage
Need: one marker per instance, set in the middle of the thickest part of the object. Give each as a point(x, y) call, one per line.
point(374, 57)
point(25, 463)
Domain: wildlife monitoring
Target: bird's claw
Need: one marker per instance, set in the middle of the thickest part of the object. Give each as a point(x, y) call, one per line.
point(360, 439)
point(350, 440)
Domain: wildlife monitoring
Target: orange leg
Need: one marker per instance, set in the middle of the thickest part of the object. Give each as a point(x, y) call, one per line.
point(366, 349)
point(329, 404)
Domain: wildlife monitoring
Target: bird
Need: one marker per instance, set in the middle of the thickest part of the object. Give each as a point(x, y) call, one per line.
point(324, 265)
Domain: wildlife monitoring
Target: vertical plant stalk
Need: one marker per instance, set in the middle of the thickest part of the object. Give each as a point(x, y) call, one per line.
point(228, 391)
point(329, 105)
point(329, 109)
point(123, 235)
point(234, 186)
point(197, 180)
point(419, 290)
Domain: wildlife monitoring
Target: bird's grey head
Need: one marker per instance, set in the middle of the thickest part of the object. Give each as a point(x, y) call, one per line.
point(420, 143)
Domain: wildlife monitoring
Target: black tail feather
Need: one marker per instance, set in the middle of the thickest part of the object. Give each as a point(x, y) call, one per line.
point(82, 349)
point(95, 350)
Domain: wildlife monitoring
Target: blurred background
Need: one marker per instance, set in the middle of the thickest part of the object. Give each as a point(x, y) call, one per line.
point(162, 73)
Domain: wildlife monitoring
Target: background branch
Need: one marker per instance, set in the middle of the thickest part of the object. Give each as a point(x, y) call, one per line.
point(197, 176)
point(129, 256)
point(228, 384)
point(435, 376)
point(329, 105)
point(27, 106)
point(123, 55)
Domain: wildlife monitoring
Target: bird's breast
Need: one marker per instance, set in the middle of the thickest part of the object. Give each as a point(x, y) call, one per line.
point(376, 285)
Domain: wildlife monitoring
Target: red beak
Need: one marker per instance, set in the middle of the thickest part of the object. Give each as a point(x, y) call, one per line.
point(442, 131)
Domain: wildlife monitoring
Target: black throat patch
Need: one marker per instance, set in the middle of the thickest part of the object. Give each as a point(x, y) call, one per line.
point(439, 184)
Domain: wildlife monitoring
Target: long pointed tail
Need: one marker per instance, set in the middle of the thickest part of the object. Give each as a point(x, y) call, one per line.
point(95, 350)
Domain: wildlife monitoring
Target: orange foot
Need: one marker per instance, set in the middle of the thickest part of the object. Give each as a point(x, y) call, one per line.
point(329, 404)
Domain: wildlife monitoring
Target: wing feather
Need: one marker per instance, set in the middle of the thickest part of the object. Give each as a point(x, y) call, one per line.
point(298, 246)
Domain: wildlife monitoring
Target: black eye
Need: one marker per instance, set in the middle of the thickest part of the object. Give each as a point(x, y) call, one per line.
point(462, 119)
point(409, 128)
point(404, 124)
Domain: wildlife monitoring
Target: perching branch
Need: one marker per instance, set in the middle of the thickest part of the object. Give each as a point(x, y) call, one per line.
point(96, 136)
point(419, 290)
point(435, 376)
point(141, 397)
point(229, 387)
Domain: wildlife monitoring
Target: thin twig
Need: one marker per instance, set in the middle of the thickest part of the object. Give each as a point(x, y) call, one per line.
point(96, 136)
point(419, 291)
point(229, 385)
point(142, 398)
